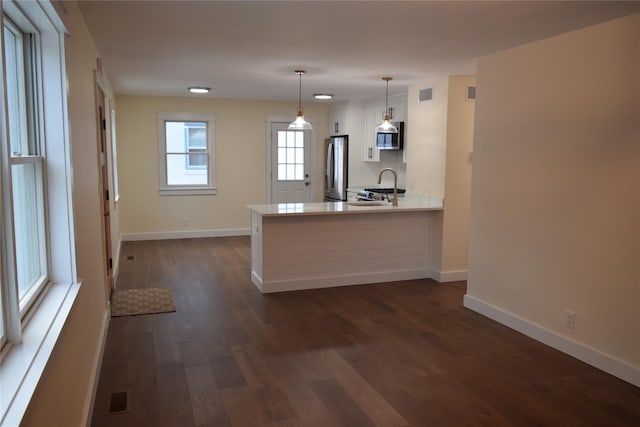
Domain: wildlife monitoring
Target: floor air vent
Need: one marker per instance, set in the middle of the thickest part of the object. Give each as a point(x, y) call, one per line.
point(119, 402)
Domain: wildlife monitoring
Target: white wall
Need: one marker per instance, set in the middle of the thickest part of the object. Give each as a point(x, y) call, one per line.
point(555, 197)
point(64, 394)
point(427, 134)
point(457, 186)
point(240, 150)
point(438, 164)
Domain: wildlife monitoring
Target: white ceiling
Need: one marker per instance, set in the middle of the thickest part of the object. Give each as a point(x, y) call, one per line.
point(249, 49)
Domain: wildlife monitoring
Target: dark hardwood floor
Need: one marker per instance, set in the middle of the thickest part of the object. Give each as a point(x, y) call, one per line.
point(392, 354)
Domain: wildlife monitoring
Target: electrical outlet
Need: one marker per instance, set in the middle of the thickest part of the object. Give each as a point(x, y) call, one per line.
point(185, 222)
point(570, 319)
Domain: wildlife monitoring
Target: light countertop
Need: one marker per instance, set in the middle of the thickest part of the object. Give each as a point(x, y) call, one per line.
point(408, 203)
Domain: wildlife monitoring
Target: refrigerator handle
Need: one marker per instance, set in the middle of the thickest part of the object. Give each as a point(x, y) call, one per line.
point(330, 165)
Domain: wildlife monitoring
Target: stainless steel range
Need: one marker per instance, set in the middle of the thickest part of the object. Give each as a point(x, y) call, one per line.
point(377, 193)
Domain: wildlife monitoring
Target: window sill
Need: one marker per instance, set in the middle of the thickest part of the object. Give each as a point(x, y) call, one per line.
point(187, 191)
point(23, 364)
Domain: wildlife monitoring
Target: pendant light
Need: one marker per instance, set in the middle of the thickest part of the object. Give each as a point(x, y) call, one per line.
point(386, 126)
point(300, 123)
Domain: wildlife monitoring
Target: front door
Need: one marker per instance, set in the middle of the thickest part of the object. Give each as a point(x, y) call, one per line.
point(290, 165)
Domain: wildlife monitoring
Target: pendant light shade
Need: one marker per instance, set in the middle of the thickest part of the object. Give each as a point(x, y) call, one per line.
point(386, 126)
point(300, 123)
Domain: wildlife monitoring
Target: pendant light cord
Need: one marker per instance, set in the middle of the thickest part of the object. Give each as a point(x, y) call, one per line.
point(299, 73)
point(386, 101)
point(300, 92)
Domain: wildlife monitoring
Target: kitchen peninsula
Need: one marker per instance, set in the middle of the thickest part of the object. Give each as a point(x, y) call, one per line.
point(317, 245)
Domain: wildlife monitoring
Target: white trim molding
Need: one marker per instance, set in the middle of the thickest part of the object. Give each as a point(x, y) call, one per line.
point(191, 234)
point(24, 363)
point(97, 368)
point(589, 355)
point(450, 276)
point(116, 264)
point(339, 280)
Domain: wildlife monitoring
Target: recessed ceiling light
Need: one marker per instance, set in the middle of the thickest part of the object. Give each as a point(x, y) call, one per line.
point(196, 89)
point(322, 95)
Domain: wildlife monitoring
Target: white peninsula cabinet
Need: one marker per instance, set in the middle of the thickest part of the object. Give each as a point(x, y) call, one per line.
point(317, 245)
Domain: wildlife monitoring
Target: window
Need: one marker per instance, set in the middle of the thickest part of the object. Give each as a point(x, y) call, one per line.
point(26, 163)
point(38, 281)
point(114, 156)
point(290, 155)
point(196, 141)
point(186, 160)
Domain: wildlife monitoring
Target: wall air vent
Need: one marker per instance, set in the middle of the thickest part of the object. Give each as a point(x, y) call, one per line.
point(426, 94)
point(470, 94)
point(119, 402)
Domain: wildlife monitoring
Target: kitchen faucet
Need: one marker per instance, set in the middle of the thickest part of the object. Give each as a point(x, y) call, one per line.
point(393, 201)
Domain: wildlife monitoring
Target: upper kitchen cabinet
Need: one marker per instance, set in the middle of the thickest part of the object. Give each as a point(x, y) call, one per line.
point(347, 118)
point(373, 117)
point(397, 107)
point(359, 119)
point(339, 122)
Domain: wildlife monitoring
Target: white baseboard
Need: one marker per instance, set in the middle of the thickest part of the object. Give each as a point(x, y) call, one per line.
point(97, 368)
point(256, 280)
point(342, 280)
point(187, 234)
point(591, 356)
point(450, 276)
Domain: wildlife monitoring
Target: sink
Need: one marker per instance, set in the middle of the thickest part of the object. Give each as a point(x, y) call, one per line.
point(367, 203)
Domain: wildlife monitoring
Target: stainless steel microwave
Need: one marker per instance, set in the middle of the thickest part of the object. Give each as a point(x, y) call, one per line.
point(391, 141)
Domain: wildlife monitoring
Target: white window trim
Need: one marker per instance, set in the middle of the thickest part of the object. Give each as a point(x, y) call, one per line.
point(23, 362)
point(186, 190)
point(114, 152)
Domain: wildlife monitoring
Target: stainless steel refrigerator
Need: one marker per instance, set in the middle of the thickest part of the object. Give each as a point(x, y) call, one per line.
point(337, 149)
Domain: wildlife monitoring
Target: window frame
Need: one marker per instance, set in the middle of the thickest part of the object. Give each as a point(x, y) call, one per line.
point(187, 117)
point(288, 149)
point(114, 153)
point(30, 105)
point(31, 334)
